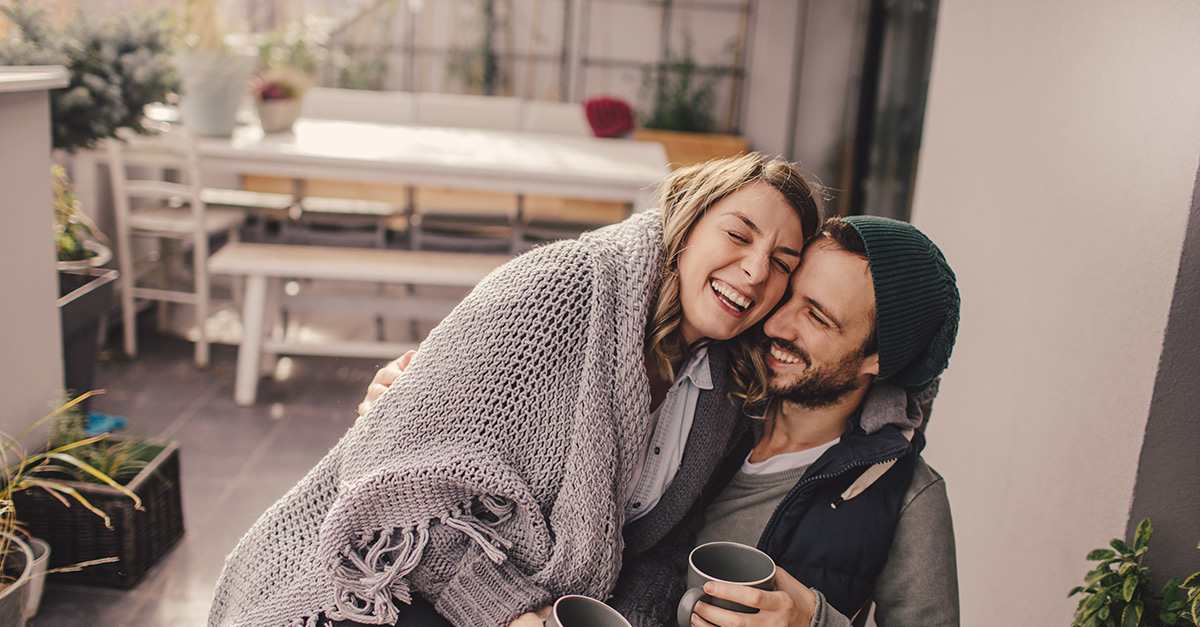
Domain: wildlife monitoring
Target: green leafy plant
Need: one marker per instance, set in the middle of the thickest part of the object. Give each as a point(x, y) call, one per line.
point(682, 96)
point(117, 67)
point(120, 459)
point(44, 470)
point(73, 229)
point(1118, 590)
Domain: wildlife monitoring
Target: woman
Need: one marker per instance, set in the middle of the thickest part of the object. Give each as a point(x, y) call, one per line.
point(495, 475)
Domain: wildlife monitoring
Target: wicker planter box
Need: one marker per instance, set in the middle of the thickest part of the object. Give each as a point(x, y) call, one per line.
point(138, 538)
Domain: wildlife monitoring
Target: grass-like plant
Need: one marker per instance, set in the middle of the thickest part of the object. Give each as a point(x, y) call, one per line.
point(1118, 590)
point(43, 469)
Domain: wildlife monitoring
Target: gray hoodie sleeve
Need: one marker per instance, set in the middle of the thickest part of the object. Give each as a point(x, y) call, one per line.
point(919, 584)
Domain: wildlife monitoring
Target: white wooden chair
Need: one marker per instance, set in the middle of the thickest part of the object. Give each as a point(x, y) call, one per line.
point(351, 220)
point(168, 212)
point(459, 219)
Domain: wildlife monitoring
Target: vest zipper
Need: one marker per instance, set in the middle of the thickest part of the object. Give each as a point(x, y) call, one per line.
point(791, 495)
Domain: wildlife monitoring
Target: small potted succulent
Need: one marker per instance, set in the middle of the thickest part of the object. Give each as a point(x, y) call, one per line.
point(277, 94)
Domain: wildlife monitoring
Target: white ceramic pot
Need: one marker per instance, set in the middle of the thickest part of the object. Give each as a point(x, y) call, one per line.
point(214, 85)
point(278, 116)
point(12, 597)
point(37, 576)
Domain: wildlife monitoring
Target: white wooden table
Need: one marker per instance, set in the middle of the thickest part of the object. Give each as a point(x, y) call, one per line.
point(503, 161)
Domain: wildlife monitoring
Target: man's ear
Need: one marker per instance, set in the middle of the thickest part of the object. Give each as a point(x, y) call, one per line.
point(870, 365)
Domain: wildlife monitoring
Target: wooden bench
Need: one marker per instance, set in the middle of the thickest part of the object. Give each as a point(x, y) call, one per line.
point(265, 266)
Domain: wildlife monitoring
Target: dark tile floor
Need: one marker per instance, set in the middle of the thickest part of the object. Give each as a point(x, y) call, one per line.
point(236, 461)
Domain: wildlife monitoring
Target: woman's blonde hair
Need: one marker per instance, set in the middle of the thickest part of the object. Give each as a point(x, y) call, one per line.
point(685, 197)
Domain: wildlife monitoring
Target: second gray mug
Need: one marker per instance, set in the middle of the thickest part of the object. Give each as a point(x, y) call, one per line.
point(580, 611)
point(730, 562)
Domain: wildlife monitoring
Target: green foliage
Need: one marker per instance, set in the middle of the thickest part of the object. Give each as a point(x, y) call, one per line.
point(120, 460)
point(116, 67)
point(43, 470)
point(72, 227)
point(683, 97)
point(302, 45)
point(1118, 589)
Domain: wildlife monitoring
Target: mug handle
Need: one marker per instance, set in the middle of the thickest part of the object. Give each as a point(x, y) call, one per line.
point(683, 615)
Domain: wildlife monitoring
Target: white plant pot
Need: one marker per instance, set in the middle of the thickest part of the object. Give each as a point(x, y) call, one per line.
point(214, 85)
point(12, 596)
point(278, 116)
point(37, 576)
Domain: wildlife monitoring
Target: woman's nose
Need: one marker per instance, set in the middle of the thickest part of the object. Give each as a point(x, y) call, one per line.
point(756, 267)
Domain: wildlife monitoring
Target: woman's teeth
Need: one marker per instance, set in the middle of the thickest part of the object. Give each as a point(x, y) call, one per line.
point(785, 357)
point(739, 302)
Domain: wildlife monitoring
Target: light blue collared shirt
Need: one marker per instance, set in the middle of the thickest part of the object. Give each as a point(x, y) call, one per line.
point(671, 425)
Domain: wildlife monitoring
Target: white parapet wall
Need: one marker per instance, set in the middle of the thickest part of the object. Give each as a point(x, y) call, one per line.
point(1058, 162)
point(31, 365)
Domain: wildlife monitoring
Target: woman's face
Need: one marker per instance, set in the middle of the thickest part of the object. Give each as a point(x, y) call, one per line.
point(736, 262)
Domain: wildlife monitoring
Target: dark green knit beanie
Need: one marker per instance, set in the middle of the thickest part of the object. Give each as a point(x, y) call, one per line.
point(916, 301)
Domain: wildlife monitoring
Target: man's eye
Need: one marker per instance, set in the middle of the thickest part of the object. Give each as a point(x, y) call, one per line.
point(821, 321)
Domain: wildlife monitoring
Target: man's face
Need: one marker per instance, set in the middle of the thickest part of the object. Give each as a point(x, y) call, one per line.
point(816, 337)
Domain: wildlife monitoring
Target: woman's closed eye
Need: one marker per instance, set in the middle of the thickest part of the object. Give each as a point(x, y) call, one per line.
point(781, 265)
point(738, 237)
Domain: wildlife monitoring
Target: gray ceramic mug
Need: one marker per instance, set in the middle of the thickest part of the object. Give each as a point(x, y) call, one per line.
point(729, 562)
point(580, 611)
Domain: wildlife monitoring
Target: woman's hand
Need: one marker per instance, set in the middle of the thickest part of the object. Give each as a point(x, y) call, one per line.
point(383, 380)
point(532, 619)
point(791, 604)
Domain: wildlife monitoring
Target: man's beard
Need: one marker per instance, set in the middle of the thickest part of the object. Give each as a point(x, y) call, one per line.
point(821, 386)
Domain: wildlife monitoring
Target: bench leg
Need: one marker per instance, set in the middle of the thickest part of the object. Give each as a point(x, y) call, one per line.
point(245, 387)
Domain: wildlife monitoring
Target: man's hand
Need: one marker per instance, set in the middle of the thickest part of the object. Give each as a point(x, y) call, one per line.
point(384, 379)
point(791, 604)
point(532, 619)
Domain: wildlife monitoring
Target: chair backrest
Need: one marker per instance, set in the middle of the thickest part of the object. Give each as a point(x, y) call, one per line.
point(564, 118)
point(379, 107)
point(498, 113)
point(138, 163)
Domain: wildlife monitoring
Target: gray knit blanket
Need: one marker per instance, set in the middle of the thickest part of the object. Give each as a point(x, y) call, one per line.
point(487, 477)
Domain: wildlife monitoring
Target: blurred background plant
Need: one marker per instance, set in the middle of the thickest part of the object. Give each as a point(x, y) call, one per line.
point(283, 83)
point(116, 66)
point(44, 469)
point(119, 459)
point(681, 96)
point(1118, 590)
point(75, 234)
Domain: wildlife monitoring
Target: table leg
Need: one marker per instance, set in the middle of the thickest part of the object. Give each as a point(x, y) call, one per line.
point(245, 387)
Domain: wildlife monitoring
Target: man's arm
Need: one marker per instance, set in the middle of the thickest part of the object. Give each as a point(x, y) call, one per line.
point(919, 583)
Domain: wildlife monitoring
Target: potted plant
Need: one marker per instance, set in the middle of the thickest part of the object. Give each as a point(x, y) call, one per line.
point(215, 72)
point(277, 95)
point(116, 66)
point(1118, 590)
point(85, 289)
point(680, 115)
point(25, 473)
point(134, 486)
point(137, 534)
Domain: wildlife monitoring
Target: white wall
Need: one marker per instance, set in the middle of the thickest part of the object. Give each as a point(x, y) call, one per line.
point(1059, 156)
point(31, 368)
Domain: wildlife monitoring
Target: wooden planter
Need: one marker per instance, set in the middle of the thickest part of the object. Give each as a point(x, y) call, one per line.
point(689, 148)
point(138, 538)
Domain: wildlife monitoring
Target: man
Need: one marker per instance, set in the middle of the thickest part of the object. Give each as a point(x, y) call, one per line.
point(833, 487)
